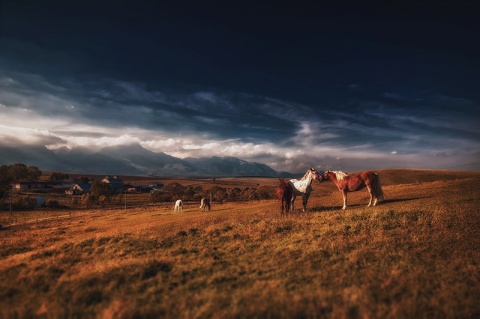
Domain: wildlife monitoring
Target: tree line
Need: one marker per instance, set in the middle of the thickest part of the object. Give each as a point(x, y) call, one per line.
point(174, 191)
point(20, 171)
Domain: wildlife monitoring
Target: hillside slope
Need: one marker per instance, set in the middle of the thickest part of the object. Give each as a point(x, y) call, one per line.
point(413, 256)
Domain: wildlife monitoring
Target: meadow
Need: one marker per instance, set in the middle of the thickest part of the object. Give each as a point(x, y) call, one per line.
point(416, 255)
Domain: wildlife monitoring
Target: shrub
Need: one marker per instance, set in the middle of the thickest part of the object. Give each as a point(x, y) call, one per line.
point(75, 202)
point(52, 203)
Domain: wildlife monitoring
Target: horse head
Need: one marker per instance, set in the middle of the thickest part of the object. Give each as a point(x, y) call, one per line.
point(316, 175)
point(320, 176)
point(326, 175)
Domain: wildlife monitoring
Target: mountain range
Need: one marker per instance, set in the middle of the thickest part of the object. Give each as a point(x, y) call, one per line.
point(131, 159)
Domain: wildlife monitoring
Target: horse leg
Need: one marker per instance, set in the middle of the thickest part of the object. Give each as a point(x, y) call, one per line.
point(304, 202)
point(344, 193)
point(287, 198)
point(292, 201)
point(371, 196)
point(374, 193)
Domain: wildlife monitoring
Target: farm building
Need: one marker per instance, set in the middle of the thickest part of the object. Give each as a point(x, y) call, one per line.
point(79, 189)
point(156, 185)
point(33, 185)
point(138, 188)
point(114, 182)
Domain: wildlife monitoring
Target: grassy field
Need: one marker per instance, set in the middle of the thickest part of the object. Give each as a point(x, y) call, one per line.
point(416, 255)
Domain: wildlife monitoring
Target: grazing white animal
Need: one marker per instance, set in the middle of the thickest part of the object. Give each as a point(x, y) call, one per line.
point(205, 204)
point(178, 206)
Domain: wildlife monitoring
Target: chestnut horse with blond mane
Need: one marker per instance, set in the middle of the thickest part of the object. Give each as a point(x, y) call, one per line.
point(352, 183)
point(284, 194)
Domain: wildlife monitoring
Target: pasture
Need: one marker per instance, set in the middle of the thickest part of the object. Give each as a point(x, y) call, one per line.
point(415, 255)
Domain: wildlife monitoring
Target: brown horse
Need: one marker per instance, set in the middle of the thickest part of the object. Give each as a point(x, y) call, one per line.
point(205, 204)
point(284, 194)
point(352, 183)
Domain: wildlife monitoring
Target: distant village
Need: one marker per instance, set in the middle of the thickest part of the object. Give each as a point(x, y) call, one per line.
point(71, 188)
point(25, 187)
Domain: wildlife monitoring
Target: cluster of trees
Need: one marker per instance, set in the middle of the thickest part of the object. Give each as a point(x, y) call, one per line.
point(55, 176)
point(222, 194)
point(19, 202)
point(175, 191)
point(88, 200)
point(18, 171)
point(21, 171)
point(84, 179)
point(100, 194)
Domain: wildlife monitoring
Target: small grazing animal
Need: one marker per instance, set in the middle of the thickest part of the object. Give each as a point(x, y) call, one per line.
point(205, 204)
point(178, 206)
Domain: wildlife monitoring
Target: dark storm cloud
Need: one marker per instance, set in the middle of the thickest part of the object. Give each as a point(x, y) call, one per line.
point(303, 84)
point(116, 104)
point(292, 52)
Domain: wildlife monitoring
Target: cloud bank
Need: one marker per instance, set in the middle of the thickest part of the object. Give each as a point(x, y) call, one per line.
point(371, 130)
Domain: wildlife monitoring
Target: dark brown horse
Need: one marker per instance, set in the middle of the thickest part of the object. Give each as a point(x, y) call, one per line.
point(205, 204)
point(284, 194)
point(352, 183)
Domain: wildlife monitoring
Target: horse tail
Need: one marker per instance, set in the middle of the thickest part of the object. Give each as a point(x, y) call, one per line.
point(377, 188)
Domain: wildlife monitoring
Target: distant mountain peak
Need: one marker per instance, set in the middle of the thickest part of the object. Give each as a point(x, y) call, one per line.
point(131, 159)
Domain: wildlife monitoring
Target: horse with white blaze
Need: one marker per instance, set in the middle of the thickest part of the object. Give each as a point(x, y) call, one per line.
point(303, 187)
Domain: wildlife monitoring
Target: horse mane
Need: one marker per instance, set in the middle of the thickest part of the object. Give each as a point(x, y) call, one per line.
point(340, 175)
point(306, 174)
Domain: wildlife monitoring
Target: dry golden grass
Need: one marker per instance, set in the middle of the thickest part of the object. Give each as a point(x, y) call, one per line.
point(416, 255)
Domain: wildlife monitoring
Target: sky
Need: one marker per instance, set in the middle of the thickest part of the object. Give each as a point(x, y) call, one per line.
point(346, 86)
